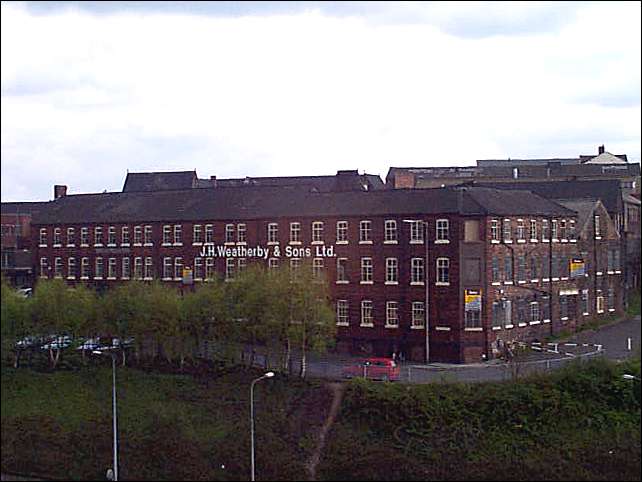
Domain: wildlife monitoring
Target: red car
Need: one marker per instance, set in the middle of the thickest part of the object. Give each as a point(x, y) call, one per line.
point(373, 368)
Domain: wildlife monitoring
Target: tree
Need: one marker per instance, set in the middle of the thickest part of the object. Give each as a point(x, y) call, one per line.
point(16, 321)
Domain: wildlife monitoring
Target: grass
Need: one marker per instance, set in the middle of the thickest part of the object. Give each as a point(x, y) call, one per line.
point(634, 304)
point(580, 423)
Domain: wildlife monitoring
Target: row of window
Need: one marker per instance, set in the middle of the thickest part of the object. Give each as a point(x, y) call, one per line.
point(204, 268)
point(237, 233)
point(533, 312)
point(417, 319)
point(521, 230)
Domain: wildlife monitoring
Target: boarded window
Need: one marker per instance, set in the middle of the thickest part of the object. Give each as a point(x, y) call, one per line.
point(471, 231)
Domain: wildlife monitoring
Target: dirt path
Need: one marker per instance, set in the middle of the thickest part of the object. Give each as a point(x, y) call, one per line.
point(337, 395)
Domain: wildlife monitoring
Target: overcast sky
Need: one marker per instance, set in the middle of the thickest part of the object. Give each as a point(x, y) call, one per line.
point(235, 89)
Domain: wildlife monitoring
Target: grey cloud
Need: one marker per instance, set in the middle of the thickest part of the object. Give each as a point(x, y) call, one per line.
point(470, 20)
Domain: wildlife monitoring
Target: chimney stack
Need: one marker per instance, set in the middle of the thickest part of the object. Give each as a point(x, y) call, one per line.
point(59, 191)
point(213, 181)
point(600, 149)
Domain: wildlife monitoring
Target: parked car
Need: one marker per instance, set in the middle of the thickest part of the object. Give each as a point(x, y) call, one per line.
point(89, 344)
point(28, 342)
point(25, 292)
point(57, 342)
point(373, 368)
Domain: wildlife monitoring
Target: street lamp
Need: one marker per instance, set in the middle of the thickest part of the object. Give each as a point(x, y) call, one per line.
point(113, 367)
point(427, 269)
point(267, 375)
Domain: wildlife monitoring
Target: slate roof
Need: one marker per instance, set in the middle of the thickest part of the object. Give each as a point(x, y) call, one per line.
point(608, 191)
point(159, 181)
point(584, 209)
point(23, 207)
point(272, 203)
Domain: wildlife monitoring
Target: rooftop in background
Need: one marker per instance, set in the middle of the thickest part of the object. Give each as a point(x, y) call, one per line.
point(603, 157)
point(22, 208)
point(163, 181)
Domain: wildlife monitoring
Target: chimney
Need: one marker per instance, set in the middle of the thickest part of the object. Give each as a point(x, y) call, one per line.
point(213, 181)
point(59, 191)
point(600, 149)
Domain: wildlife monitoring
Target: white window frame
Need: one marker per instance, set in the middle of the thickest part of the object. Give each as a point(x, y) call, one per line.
point(365, 231)
point(125, 268)
point(342, 232)
point(295, 232)
point(124, 236)
point(138, 268)
point(168, 268)
point(317, 232)
point(85, 271)
point(111, 236)
point(443, 267)
point(343, 313)
point(273, 233)
point(178, 235)
point(44, 267)
point(84, 237)
point(342, 279)
point(418, 315)
point(167, 237)
point(57, 237)
point(367, 319)
point(197, 235)
point(98, 263)
point(209, 234)
point(148, 239)
point(98, 236)
point(417, 271)
point(199, 269)
point(392, 271)
point(42, 240)
point(71, 268)
point(138, 235)
point(392, 314)
point(367, 271)
point(442, 232)
point(390, 232)
point(71, 237)
point(241, 233)
point(57, 267)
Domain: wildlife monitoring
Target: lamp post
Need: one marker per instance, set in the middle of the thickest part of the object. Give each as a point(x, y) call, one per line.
point(267, 375)
point(114, 416)
point(427, 268)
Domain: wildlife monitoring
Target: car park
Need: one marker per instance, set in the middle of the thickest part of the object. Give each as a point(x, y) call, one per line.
point(373, 368)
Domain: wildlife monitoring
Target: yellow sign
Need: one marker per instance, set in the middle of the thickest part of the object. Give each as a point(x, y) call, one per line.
point(472, 300)
point(577, 268)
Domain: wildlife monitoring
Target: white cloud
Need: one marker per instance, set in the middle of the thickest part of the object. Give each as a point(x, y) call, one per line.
point(86, 97)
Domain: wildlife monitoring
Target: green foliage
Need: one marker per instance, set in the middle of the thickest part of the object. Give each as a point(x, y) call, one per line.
point(633, 308)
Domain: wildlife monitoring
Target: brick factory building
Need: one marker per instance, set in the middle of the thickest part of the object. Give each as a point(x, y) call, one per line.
point(446, 273)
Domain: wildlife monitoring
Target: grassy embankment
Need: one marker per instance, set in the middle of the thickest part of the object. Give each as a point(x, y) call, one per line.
point(578, 424)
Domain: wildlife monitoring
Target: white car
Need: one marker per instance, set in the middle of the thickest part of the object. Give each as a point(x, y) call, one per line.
point(90, 344)
point(57, 343)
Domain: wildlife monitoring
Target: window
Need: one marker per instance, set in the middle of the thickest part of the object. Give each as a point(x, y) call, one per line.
point(98, 236)
point(416, 232)
point(273, 263)
point(443, 270)
point(535, 311)
point(546, 269)
point(178, 268)
point(472, 317)
point(534, 270)
point(521, 230)
point(198, 268)
point(111, 268)
point(494, 230)
point(442, 230)
point(149, 268)
point(610, 299)
point(521, 268)
point(563, 307)
point(317, 232)
point(342, 270)
point(599, 302)
point(390, 231)
point(71, 236)
point(138, 267)
point(241, 264)
point(167, 235)
point(563, 229)
point(84, 268)
point(317, 268)
point(596, 227)
point(585, 302)
point(71, 268)
point(533, 230)
point(138, 235)
point(273, 233)
point(366, 313)
point(342, 231)
point(295, 264)
point(498, 314)
point(111, 236)
point(209, 233)
point(508, 314)
point(197, 235)
point(544, 230)
point(295, 233)
point(342, 312)
point(57, 241)
point(229, 233)
point(44, 269)
point(84, 236)
point(507, 233)
point(366, 270)
point(167, 268)
point(495, 269)
point(554, 229)
point(365, 232)
point(178, 234)
point(148, 236)
point(571, 229)
point(125, 268)
point(229, 269)
point(241, 233)
point(418, 314)
point(392, 314)
point(392, 271)
point(508, 269)
point(124, 236)
point(98, 274)
point(417, 271)
point(58, 267)
point(209, 268)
